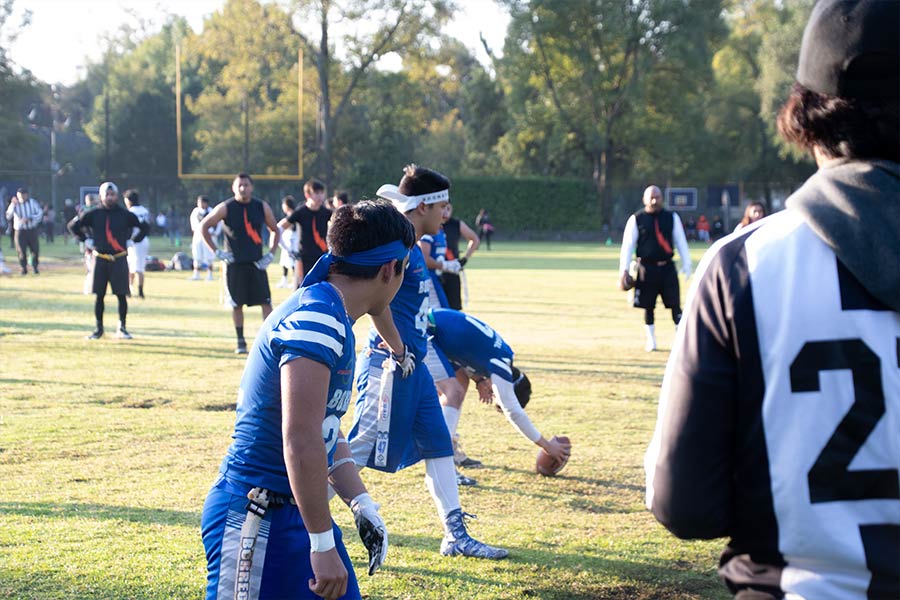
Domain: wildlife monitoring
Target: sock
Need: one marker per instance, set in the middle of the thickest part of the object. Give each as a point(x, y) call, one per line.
point(98, 312)
point(451, 416)
point(123, 309)
point(240, 332)
point(651, 332)
point(440, 477)
point(141, 290)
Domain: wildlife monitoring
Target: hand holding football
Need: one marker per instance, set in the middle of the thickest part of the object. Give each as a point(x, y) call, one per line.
point(549, 466)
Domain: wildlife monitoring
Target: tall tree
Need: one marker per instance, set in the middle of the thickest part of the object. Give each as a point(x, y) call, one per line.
point(17, 91)
point(578, 67)
point(371, 29)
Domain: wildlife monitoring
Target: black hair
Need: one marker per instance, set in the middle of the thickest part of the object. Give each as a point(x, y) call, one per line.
point(203, 198)
point(244, 176)
point(521, 386)
point(419, 180)
point(313, 185)
point(841, 127)
point(363, 226)
point(343, 197)
point(132, 196)
point(289, 201)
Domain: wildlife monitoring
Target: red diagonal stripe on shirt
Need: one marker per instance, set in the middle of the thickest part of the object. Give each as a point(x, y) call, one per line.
point(667, 248)
point(323, 246)
point(250, 231)
point(113, 242)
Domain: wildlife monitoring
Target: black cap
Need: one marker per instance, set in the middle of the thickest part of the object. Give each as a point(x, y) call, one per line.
point(22, 190)
point(851, 49)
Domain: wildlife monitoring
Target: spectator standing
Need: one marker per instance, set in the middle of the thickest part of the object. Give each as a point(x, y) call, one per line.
point(287, 257)
point(106, 231)
point(753, 213)
point(49, 223)
point(69, 213)
point(244, 218)
point(651, 233)
point(203, 257)
point(27, 216)
point(483, 223)
point(173, 229)
point(703, 229)
point(779, 415)
point(137, 251)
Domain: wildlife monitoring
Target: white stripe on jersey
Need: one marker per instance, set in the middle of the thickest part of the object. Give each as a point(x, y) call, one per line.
point(316, 317)
point(502, 364)
point(314, 337)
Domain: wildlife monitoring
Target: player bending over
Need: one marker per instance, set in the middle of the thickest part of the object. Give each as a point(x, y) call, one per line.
point(476, 350)
point(288, 444)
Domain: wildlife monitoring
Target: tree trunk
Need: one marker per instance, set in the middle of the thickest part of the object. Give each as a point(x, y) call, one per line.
point(598, 176)
point(323, 62)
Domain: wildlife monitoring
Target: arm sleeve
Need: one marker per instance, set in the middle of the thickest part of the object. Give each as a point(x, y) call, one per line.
point(629, 242)
point(505, 397)
point(690, 462)
point(681, 244)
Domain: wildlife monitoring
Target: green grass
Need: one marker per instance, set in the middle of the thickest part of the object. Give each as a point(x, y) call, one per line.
point(107, 448)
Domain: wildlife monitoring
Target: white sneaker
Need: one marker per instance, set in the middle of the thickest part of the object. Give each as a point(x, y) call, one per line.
point(650, 330)
point(650, 346)
point(194, 277)
point(282, 283)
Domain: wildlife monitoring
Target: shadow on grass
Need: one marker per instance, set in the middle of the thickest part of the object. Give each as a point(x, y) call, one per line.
point(645, 580)
point(58, 510)
point(40, 584)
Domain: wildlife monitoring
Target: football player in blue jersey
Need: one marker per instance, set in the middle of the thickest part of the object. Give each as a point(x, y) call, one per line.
point(288, 446)
point(398, 419)
point(472, 346)
point(779, 414)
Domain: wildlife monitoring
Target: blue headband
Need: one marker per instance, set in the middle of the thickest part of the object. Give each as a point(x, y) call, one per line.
point(373, 257)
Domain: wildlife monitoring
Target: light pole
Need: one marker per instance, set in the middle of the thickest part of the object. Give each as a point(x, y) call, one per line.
point(55, 121)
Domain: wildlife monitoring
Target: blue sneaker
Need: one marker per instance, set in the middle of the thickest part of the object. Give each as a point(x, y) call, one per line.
point(458, 542)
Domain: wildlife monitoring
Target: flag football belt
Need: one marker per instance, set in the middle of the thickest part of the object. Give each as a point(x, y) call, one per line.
point(259, 501)
point(656, 263)
point(110, 257)
point(383, 420)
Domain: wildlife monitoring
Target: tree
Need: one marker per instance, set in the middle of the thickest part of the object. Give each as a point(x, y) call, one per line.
point(18, 91)
point(576, 70)
point(397, 24)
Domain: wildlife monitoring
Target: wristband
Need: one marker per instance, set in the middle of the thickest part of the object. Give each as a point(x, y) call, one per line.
point(321, 542)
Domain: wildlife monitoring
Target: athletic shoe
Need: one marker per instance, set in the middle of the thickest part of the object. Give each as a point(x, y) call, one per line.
point(463, 480)
point(458, 542)
point(241, 347)
point(459, 456)
point(96, 335)
point(650, 346)
point(36, 272)
point(123, 334)
point(470, 463)
point(194, 277)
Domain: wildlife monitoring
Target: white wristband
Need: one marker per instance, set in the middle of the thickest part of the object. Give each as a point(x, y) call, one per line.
point(321, 542)
point(338, 463)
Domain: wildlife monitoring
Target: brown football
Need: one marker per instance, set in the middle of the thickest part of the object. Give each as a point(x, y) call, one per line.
point(546, 465)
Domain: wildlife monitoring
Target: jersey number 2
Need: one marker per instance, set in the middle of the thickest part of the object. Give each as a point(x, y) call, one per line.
point(830, 479)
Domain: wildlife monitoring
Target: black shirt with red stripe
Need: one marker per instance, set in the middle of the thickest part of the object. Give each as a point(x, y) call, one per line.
point(244, 228)
point(110, 228)
point(655, 239)
point(313, 230)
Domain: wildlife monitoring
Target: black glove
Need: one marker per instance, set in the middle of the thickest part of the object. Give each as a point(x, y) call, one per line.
point(463, 261)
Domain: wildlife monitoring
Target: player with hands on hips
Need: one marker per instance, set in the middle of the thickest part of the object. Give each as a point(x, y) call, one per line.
point(288, 448)
point(471, 346)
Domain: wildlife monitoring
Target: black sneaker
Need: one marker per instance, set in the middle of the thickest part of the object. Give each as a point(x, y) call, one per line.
point(463, 480)
point(96, 335)
point(470, 463)
point(123, 334)
point(241, 347)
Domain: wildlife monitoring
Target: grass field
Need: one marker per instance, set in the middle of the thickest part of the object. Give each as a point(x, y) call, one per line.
point(107, 448)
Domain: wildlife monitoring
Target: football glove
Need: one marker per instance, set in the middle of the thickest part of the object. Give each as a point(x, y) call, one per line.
point(463, 261)
point(406, 362)
point(225, 257)
point(452, 266)
point(263, 263)
point(371, 528)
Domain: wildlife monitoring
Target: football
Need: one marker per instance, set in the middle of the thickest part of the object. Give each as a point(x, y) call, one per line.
point(546, 465)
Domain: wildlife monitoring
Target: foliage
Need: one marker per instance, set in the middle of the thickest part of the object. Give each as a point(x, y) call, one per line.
point(108, 448)
point(17, 94)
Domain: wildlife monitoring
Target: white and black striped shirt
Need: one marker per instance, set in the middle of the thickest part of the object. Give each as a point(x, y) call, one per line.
point(26, 215)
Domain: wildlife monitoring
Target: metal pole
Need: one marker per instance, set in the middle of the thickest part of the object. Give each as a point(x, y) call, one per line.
point(245, 104)
point(53, 166)
point(106, 135)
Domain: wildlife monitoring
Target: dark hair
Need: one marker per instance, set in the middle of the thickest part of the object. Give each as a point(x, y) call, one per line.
point(841, 127)
point(419, 180)
point(748, 212)
point(521, 386)
point(244, 176)
point(343, 197)
point(363, 226)
point(132, 196)
point(313, 185)
point(22, 190)
point(289, 200)
point(203, 198)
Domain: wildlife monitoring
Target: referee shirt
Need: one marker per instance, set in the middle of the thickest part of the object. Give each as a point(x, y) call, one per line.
point(25, 215)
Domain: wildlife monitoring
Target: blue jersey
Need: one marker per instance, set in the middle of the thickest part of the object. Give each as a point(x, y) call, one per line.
point(313, 324)
point(409, 307)
point(470, 343)
point(438, 243)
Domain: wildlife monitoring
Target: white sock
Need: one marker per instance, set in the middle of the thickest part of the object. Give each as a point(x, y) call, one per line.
point(451, 416)
point(651, 333)
point(440, 477)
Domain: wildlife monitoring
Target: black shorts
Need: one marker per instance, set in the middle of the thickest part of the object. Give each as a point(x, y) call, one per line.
point(114, 273)
point(653, 281)
point(451, 284)
point(247, 285)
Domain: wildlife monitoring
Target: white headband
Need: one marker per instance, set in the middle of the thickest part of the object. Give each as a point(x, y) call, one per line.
point(108, 185)
point(405, 203)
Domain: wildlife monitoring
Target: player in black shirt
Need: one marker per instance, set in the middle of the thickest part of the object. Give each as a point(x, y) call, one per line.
point(313, 218)
point(105, 232)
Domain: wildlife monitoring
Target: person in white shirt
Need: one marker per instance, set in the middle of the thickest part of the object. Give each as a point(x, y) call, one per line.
point(202, 256)
point(137, 251)
point(26, 215)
